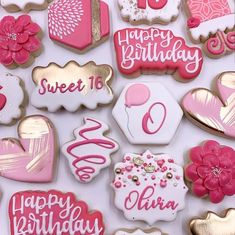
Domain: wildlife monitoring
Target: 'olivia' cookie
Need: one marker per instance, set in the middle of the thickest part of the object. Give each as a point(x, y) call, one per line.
point(149, 187)
point(19, 41)
point(212, 22)
point(149, 11)
point(152, 231)
point(31, 158)
point(147, 113)
point(213, 112)
point(213, 224)
point(53, 212)
point(211, 171)
point(155, 50)
point(24, 5)
point(11, 98)
point(72, 86)
point(79, 24)
point(90, 152)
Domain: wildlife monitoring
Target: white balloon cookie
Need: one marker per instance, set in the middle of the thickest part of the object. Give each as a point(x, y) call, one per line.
point(90, 152)
point(149, 11)
point(149, 187)
point(11, 98)
point(147, 113)
point(152, 231)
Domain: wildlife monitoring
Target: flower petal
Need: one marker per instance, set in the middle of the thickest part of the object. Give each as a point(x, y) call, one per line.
point(198, 188)
point(22, 21)
point(7, 24)
point(21, 57)
point(33, 44)
point(224, 178)
point(211, 160)
point(229, 189)
point(196, 154)
point(32, 29)
point(14, 46)
point(204, 171)
point(6, 57)
point(22, 38)
point(216, 196)
point(212, 147)
point(212, 183)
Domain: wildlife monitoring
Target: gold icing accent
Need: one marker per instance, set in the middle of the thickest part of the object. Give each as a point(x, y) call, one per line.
point(96, 30)
point(138, 161)
point(214, 224)
point(149, 169)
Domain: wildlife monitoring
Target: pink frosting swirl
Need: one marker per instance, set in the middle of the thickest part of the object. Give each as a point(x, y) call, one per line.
point(18, 39)
point(193, 22)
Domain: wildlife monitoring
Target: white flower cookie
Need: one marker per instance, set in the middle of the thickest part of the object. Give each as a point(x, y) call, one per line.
point(149, 187)
point(11, 98)
point(149, 11)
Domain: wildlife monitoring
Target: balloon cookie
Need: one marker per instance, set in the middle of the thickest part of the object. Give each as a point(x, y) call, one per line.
point(24, 5)
point(79, 24)
point(72, 86)
point(212, 22)
point(53, 212)
point(19, 41)
point(147, 113)
point(214, 224)
point(213, 112)
point(149, 11)
point(30, 158)
point(152, 231)
point(149, 187)
point(155, 50)
point(11, 98)
point(211, 171)
point(90, 152)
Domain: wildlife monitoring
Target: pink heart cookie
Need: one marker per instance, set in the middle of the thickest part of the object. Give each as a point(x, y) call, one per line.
point(3, 100)
point(210, 111)
point(30, 158)
point(79, 24)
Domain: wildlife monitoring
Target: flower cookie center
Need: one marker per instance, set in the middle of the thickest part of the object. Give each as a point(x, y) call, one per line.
point(12, 36)
point(216, 171)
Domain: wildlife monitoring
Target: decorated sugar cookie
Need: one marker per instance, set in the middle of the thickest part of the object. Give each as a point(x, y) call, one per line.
point(156, 50)
point(11, 98)
point(147, 113)
point(53, 212)
point(79, 24)
point(152, 231)
point(214, 224)
point(149, 11)
point(32, 156)
point(149, 187)
point(212, 22)
point(19, 41)
point(90, 152)
point(72, 86)
point(211, 171)
point(24, 5)
point(215, 113)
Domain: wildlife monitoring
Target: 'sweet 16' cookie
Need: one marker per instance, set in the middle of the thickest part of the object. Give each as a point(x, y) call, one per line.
point(155, 50)
point(149, 187)
point(90, 152)
point(72, 86)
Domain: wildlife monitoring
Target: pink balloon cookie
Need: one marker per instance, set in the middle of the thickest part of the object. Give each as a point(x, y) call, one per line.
point(149, 187)
point(156, 50)
point(53, 212)
point(79, 24)
point(19, 41)
point(90, 152)
point(212, 22)
point(31, 158)
point(211, 171)
point(147, 113)
point(215, 113)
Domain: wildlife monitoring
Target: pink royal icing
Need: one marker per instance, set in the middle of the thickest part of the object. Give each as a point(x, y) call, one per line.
point(151, 49)
point(18, 39)
point(212, 171)
point(159, 4)
point(3, 100)
point(53, 212)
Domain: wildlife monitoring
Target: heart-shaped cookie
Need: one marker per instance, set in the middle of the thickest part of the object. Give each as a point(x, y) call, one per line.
point(211, 111)
point(3, 100)
point(30, 158)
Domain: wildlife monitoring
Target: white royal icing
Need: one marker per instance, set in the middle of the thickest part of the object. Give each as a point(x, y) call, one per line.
point(21, 3)
point(129, 9)
point(138, 232)
point(13, 94)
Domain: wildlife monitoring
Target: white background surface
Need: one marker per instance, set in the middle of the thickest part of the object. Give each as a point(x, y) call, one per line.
point(99, 194)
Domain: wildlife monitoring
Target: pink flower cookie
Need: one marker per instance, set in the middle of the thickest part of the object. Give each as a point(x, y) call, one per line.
point(149, 11)
point(212, 22)
point(212, 171)
point(156, 50)
point(19, 42)
point(53, 212)
point(149, 187)
point(215, 113)
point(31, 158)
point(79, 24)
point(90, 152)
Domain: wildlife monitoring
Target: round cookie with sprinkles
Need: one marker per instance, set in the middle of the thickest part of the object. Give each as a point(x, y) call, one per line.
point(149, 187)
